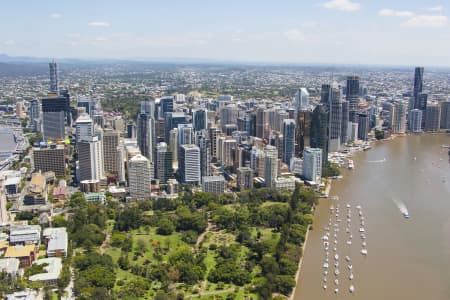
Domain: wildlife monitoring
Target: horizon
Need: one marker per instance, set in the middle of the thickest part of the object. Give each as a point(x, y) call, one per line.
point(312, 32)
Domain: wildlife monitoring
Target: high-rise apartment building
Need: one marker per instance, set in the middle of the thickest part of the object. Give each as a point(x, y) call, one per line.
point(90, 159)
point(312, 164)
point(433, 118)
point(445, 115)
point(415, 121)
point(352, 97)
point(244, 178)
point(213, 184)
point(363, 126)
point(301, 99)
point(35, 115)
point(189, 164)
point(50, 158)
point(139, 179)
point(110, 143)
point(345, 122)
point(303, 131)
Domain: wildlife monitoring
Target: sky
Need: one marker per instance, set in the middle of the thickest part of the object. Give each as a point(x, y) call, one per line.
point(303, 31)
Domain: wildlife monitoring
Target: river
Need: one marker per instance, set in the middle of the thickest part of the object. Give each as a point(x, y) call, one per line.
point(407, 258)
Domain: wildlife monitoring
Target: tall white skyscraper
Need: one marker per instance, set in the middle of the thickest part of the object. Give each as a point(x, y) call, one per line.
point(3, 212)
point(90, 157)
point(312, 164)
point(189, 164)
point(139, 180)
point(120, 163)
point(335, 115)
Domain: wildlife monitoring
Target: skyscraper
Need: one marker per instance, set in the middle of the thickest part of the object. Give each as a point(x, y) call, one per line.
point(185, 134)
point(244, 178)
point(145, 134)
point(165, 105)
point(84, 127)
point(415, 121)
point(203, 142)
point(301, 99)
point(120, 154)
point(164, 170)
point(325, 95)
point(53, 67)
point(270, 165)
point(50, 158)
point(172, 119)
point(139, 179)
point(189, 164)
point(345, 122)
point(319, 131)
point(352, 95)
point(312, 164)
point(302, 131)
point(87, 103)
point(433, 118)
point(363, 126)
point(445, 115)
point(53, 117)
point(35, 115)
point(110, 144)
point(398, 117)
point(90, 157)
point(334, 138)
point(288, 140)
point(260, 122)
point(418, 83)
point(200, 119)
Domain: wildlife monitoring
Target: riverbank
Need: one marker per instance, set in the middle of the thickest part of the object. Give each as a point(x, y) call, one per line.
point(297, 274)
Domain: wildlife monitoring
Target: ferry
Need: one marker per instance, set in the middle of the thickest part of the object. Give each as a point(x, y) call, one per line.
point(406, 215)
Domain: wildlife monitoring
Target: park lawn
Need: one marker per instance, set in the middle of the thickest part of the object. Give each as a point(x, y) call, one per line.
point(270, 203)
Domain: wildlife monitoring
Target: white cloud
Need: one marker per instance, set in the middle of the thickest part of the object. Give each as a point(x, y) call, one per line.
point(9, 43)
point(99, 24)
point(426, 21)
point(295, 35)
point(386, 12)
point(344, 5)
point(436, 8)
point(101, 39)
point(311, 24)
point(56, 16)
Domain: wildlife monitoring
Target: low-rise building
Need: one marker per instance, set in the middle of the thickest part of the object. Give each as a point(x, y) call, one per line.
point(25, 254)
point(37, 191)
point(213, 184)
point(286, 183)
point(57, 241)
point(25, 234)
point(22, 295)
point(53, 270)
point(10, 266)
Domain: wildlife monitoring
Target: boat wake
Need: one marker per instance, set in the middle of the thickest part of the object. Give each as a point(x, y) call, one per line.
point(377, 161)
point(402, 207)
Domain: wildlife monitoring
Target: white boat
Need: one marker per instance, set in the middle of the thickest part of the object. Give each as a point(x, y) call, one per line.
point(324, 286)
point(347, 230)
point(350, 267)
point(325, 265)
point(364, 251)
point(326, 259)
point(336, 264)
point(348, 205)
point(335, 242)
point(351, 165)
point(363, 236)
point(351, 276)
point(336, 272)
point(336, 281)
point(362, 229)
point(336, 256)
point(358, 207)
point(334, 249)
point(364, 244)
point(362, 223)
point(325, 272)
point(336, 290)
point(324, 279)
point(351, 236)
point(360, 213)
point(351, 289)
point(325, 238)
point(349, 242)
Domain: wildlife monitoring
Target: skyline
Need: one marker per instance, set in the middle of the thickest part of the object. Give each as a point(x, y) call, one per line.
point(310, 32)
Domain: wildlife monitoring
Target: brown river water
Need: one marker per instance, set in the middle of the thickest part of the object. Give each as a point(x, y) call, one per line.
point(406, 258)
